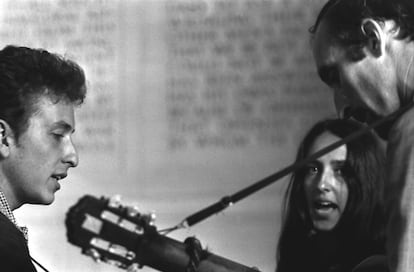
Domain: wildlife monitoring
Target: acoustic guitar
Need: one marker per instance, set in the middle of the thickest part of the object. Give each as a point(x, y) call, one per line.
point(120, 235)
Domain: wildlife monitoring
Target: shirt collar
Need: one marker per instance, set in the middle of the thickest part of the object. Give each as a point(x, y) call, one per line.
point(5, 209)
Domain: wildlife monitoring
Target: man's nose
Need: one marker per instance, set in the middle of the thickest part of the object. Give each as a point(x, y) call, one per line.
point(70, 154)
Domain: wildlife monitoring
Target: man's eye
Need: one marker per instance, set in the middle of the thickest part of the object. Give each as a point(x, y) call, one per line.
point(58, 135)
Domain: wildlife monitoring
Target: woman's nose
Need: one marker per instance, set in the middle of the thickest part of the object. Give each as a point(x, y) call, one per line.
point(325, 182)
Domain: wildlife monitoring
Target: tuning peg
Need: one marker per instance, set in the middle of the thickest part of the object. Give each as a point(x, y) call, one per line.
point(133, 211)
point(134, 267)
point(151, 218)
point(113, 262)
point(96, 256)
point(114, 201)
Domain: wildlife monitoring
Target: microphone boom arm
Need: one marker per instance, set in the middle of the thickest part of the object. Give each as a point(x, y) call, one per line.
point(227, 201)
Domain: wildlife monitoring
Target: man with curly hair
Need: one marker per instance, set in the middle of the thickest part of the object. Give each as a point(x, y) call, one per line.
point(38, 94)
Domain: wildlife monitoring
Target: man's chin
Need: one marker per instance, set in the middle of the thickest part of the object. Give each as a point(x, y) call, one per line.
point(383, 130)
point(44, 200)
point(368, 117)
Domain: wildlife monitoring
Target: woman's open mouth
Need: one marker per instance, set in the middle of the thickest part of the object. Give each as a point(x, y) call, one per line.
point(323, 208)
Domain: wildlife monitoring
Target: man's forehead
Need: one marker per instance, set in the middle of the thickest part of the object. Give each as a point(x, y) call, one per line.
point(57, 113)
point(325, 46)
point(323, 37)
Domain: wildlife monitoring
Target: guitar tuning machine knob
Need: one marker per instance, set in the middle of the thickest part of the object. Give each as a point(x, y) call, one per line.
point(133, 211)
point(114, 201)
point(152, 217)
point(134, 267)
point(113, 262)
point(96, 256)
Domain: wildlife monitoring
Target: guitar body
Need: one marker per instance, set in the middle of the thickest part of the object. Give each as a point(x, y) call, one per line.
point(119, 235)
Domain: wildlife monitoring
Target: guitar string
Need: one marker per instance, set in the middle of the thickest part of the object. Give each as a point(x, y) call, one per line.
point(168, 230)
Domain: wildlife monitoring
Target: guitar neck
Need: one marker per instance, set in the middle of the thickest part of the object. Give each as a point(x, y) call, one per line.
point(122, 237)
point(168, 255)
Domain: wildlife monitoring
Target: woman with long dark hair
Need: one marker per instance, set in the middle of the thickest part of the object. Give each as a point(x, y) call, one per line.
point(333, 215)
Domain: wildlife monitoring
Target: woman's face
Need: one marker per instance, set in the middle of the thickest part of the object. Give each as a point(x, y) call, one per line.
point(325, 187)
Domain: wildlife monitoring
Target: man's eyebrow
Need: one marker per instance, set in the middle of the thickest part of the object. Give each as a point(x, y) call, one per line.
point(63, 125)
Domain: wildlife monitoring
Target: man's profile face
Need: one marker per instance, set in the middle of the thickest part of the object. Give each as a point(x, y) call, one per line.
point(367, 86)
point(43, 153)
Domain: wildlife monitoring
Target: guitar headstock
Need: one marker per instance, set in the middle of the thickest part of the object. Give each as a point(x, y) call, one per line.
point(108, 231)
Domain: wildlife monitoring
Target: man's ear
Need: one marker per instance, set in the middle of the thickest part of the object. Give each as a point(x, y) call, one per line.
point(375, 36)
point(6, 138)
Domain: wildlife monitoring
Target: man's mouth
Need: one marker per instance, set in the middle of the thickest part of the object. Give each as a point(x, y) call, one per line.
point(58, 177)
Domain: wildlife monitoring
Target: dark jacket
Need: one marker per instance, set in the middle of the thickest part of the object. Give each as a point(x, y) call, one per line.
point(14, 252)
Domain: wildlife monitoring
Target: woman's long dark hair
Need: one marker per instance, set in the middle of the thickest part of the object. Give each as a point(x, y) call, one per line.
point(361, 227)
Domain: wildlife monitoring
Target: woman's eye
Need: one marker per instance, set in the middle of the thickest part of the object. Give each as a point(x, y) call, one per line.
point(312, 170)
point(339, 171)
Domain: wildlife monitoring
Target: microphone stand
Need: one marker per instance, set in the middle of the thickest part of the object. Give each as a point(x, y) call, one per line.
point(229, 200)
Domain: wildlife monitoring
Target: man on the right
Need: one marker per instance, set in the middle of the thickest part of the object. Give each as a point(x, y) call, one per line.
point(364, 50)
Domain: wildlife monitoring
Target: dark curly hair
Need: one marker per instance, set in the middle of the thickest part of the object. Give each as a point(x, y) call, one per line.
point(26, 74)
